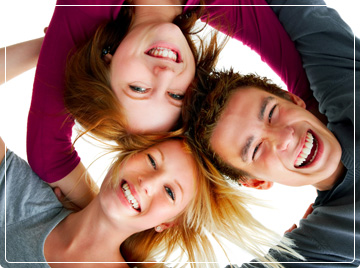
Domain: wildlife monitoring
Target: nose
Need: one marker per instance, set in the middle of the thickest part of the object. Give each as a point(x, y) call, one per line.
point(149, 184)
point(165, 66)
point(164, 76)
point(281, 137)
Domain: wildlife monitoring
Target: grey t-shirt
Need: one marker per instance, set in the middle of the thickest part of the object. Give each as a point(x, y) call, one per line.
point(29, 211)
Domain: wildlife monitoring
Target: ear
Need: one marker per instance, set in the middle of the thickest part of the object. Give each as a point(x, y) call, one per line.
point(258, 184)
point(297, 100)
point(164, 226)
point(107, 58)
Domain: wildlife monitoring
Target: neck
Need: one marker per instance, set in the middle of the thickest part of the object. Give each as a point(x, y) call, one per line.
point(329, 183)
point(150, 14)
point(84, 232)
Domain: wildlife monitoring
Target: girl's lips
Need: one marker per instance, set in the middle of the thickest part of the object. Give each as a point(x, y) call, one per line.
point(129, 197)
point(166, 46)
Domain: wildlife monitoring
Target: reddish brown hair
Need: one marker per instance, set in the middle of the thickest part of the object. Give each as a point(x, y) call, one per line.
point(88, 95)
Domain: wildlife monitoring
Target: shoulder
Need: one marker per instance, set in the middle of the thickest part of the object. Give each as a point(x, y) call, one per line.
point(26, 194)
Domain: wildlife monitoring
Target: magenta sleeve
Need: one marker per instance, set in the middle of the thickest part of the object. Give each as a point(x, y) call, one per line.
point(49, 130)
point(259, 28)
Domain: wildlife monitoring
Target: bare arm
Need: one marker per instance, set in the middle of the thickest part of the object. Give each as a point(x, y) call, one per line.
point(19, 58)
point(2, 150)
point(78, 187)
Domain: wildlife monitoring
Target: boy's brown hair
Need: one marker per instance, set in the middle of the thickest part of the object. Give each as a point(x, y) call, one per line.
point(205, 106)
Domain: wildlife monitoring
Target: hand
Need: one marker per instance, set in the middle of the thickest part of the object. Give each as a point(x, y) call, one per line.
point(64, 201)
point(307, 213)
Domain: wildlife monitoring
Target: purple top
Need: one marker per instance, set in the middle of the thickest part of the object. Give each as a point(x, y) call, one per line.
point(49, 146)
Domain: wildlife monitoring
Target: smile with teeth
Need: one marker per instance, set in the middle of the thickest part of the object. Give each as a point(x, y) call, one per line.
point(165, 53)
point(308, 152)
point(130, 198)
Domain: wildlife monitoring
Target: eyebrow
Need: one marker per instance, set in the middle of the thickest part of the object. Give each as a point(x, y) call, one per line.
point(245, 150)
point(181, 189)
point(161, 154)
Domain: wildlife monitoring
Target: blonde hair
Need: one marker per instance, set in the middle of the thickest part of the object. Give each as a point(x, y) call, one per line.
point(217, 209)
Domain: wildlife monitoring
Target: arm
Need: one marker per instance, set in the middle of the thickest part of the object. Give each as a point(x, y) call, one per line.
point(19, 58)
point(2, 150)
point(258, 28)
point(327, 48)
point(49, 146)
point(326, 45)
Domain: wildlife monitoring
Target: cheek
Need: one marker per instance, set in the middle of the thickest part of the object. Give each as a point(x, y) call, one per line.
point(161, 212)
point(268, 166)
point(189, 77)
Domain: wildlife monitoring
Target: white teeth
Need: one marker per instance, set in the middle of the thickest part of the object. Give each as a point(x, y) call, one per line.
point(309, 143)
point(130, 198)
point(163, 52)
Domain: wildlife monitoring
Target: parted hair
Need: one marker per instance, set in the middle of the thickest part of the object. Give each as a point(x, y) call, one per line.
point(206, 104)
point(218, 210)
point(89, 97)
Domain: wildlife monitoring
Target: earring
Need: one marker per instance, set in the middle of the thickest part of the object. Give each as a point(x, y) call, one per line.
point(158, 228)
point(106, 51)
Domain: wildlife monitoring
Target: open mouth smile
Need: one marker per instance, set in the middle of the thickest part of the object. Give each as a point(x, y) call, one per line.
point(164, 53)
point(129, 196)
point(308, 152)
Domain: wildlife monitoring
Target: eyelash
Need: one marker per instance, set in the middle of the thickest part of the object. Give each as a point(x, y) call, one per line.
point(170, 193)
point(269, 119)
point(142, 90)
point(137, 89)
point(255, 150)
point(271, 113)
point(152, 161)
point(176, 96)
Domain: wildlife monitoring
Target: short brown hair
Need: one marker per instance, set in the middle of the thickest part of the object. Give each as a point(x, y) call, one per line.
point(207, 103)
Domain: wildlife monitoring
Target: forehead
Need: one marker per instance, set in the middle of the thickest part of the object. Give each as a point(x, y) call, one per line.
point(236, 121)
point(242, 105)
point(178, 160)
point(150, 116)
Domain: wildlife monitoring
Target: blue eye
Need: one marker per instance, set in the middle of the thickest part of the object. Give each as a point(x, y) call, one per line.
point(152, 161)
point(137, 89)
point(271, 113)
point(170, 193)
point(176, 96)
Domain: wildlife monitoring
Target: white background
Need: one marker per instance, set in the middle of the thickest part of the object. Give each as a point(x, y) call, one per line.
point(24, 20)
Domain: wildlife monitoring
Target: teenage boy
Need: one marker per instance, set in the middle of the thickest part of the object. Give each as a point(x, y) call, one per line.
point(258, 134)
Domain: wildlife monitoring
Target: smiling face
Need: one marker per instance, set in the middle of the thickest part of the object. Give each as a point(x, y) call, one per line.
point(274, 139)
point(150, 72)
point(154, 187)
